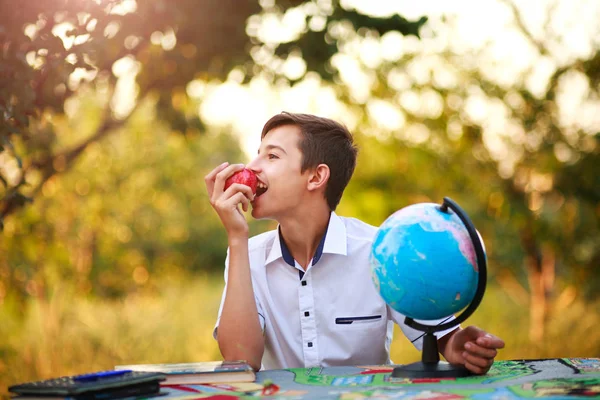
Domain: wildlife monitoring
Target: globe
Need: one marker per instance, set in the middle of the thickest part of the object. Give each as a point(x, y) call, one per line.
point(423, 262)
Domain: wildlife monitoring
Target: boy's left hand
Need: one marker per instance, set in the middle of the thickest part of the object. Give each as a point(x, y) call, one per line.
point(472, 347)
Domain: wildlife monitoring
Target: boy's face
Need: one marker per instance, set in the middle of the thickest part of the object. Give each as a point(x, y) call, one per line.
point(278, 166)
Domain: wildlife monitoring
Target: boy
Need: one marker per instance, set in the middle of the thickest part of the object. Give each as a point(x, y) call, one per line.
point(302, 295)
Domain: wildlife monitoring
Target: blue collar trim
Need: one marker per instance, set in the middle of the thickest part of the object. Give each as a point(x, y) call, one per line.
point(320, 247)
point(289, 259)
point(285, 253)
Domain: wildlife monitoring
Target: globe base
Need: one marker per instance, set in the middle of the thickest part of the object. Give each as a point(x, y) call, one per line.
point(441, 369)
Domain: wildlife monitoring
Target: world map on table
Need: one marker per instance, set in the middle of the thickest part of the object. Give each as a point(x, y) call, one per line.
point(565, 378)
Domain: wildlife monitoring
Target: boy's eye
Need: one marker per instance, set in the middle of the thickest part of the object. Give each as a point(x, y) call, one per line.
point(271, 156)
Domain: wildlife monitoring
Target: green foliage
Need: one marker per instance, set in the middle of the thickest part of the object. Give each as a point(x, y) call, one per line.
point(530, 183)
point(133, 209)
point(317, 45)
point(129, 196)
point(50, 49)
point(41, 68)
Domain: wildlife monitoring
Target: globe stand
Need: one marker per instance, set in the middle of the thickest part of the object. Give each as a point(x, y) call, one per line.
point(430, 365)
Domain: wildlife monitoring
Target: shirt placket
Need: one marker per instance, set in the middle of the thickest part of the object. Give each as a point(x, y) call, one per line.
point(310, 348)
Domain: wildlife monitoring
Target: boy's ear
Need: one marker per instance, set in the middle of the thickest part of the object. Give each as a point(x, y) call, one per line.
point(318, 177)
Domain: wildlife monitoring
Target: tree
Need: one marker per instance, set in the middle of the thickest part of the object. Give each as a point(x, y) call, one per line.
point(50, 49)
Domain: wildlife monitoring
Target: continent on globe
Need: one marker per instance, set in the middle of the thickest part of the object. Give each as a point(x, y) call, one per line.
point(423, 262)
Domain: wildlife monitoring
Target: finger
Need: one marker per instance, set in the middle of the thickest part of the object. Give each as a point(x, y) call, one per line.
point(474, 332)
point(222, 176)
point(490, 341)
point(239, 188)
point(209, 179)
point(480, 351)
point(241, 198)
point(475, 369)
point(212, 174)
point(482, 362)
point(231, 203)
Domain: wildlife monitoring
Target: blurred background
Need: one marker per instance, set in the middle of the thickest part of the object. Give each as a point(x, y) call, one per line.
point(112, 112)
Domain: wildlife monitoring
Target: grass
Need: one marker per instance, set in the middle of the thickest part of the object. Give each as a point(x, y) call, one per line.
point(71, 334)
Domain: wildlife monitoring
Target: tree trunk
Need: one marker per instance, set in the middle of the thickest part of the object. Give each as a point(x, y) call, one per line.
point(540, 264)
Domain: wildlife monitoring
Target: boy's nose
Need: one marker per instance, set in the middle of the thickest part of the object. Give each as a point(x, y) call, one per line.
point(253, 165)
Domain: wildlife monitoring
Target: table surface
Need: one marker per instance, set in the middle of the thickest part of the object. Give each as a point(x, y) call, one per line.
point(564, 378)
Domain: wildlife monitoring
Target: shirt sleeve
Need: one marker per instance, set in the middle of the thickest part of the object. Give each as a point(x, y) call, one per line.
point(416, 336)
point(261, 314)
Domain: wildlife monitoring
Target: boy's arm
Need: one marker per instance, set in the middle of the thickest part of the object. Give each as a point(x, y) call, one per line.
point(239, 333)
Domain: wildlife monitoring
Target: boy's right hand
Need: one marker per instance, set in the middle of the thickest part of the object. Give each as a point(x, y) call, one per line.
point(226, 202)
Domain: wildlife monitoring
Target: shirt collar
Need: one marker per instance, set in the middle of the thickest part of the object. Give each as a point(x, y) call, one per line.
point(333, 241)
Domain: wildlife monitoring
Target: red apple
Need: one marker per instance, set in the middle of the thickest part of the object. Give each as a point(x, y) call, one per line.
point(245, 177)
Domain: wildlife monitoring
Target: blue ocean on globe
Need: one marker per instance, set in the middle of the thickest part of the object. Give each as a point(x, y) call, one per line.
point(423, 262)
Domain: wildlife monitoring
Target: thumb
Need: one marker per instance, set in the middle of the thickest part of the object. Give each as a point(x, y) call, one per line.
point(473, 332)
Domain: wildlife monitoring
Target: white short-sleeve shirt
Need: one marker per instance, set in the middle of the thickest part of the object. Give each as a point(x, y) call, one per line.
point(329, 315)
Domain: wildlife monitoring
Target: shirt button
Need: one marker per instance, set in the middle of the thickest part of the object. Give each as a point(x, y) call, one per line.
point(306, 313)
point(303, 283)
point(309, 344)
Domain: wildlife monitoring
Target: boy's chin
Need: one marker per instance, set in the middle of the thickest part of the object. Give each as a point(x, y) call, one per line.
point(257, 213)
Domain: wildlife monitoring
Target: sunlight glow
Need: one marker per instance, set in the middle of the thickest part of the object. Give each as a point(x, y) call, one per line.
point(386, 115)
point(294, 67)
point(354, 76)
point(246, 116)
point(284, 29)
point(126, 90)
point(124, 7)
point(458, 27)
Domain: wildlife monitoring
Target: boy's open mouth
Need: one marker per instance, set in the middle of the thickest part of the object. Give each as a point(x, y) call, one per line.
point(261, 188)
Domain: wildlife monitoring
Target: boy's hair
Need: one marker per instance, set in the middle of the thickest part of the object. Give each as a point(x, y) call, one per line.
point(324, 141)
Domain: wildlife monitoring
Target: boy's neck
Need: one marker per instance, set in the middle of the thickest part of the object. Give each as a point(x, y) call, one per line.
point(303, 233)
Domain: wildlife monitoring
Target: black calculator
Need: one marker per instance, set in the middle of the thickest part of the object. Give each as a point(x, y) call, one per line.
point(104, 385)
